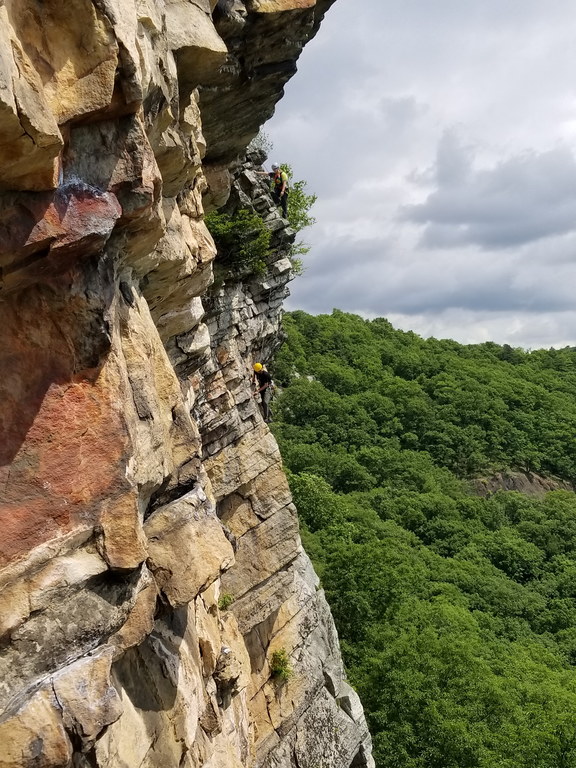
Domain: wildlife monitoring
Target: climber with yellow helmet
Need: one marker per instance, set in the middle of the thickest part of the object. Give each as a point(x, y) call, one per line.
point(264, 380)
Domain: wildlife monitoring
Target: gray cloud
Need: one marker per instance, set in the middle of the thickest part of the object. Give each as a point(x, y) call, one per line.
point(515, 328)
point(523, 198)
point(439, 137)
point(371, 275)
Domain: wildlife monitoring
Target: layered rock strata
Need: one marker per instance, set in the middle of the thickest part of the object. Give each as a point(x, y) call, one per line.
point(150, 563)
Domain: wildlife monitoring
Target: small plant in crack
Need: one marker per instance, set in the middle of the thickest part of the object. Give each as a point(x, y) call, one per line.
point(225, 601)
point(280, 666)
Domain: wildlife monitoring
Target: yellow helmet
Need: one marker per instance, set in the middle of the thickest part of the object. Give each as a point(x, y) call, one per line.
point(258, 367)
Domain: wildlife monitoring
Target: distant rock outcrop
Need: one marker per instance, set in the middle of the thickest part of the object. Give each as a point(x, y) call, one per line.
point(150, 562)
point(524, 482)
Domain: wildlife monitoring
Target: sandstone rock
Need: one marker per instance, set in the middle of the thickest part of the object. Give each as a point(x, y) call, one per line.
point(166, 442)
point(238, 515)
point(179, 148)
point(187, 547)
point(277, 6)
point(174, 258)
point(125, 403)
point(263, 551)
point(178, 272)
point(218, 191)
point(269, 491)
point(139, 622)
point(327, 735)
point(86, 696)
point(196, 343)
point(256, 607)
point(177, 160)
point(281, 266)
point(114, 156)
point(123, 544)
point(62, 227)
point(34, 735)
point(232, 15)
point(192, 121)
point(126, 742)
point(163, 696)
point(75, 622)
point(199, 50)
point(209, 637)
point(262, 59)
point(30, 140)
point(123, 16)
point(177, 321)
point(236, 465)
point(14, 606)
point(19, 599)
point(76, 79)
point(232, 638)
point(57, 393)
point(150, 14)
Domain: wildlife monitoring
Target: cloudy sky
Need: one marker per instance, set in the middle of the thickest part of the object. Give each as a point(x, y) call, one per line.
point(440, 138)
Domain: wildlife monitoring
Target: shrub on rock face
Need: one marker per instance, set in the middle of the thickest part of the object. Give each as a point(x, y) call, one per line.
point(280, 666)
point(299, 205)
point(242, 241)
point(225, 601)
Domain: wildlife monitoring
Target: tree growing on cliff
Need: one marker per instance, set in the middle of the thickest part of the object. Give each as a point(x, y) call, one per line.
point(242, 240)
point(299, 206)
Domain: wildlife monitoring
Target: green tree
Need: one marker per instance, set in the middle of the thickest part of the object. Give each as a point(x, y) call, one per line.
point(300, 203)
point(242, 241)
point(456, 612)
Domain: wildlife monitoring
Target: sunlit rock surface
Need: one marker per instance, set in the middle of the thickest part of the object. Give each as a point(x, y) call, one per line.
point(150, 562)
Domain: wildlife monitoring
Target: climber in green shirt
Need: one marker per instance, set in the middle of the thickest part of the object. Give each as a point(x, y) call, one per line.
point(280, 191)
point(279, 180)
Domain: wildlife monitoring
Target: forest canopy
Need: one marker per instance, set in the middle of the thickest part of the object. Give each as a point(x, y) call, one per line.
point(456, 613)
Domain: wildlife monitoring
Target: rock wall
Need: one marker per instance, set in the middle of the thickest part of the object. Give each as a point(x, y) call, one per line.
point(528, 483)
point(150, 563)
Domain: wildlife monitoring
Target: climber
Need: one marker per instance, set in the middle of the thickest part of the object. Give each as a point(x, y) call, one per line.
point(264, 380)
point(280, 191)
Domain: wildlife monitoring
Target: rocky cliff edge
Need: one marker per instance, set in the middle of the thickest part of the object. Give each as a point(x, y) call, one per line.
point(150, 563)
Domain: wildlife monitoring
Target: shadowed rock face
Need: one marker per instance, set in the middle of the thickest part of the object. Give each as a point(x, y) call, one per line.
point(264, 38)
point(150, 562)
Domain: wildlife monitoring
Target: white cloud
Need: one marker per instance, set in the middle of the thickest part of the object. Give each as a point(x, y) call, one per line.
point(439, 139)
point(517, 329)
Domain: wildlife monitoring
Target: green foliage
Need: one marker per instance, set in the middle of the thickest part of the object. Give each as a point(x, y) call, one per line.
point(299, 206)
point(464, 406)
point(456, 613)
point(225, 601)
point(280, 666)
point(300, 202)
point(242, 241)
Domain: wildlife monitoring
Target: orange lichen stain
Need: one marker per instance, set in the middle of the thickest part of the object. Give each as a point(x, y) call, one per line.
point(65, 444)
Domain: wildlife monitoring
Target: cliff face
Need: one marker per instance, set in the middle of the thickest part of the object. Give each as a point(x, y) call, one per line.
point(528, 483)
point(140, 489)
